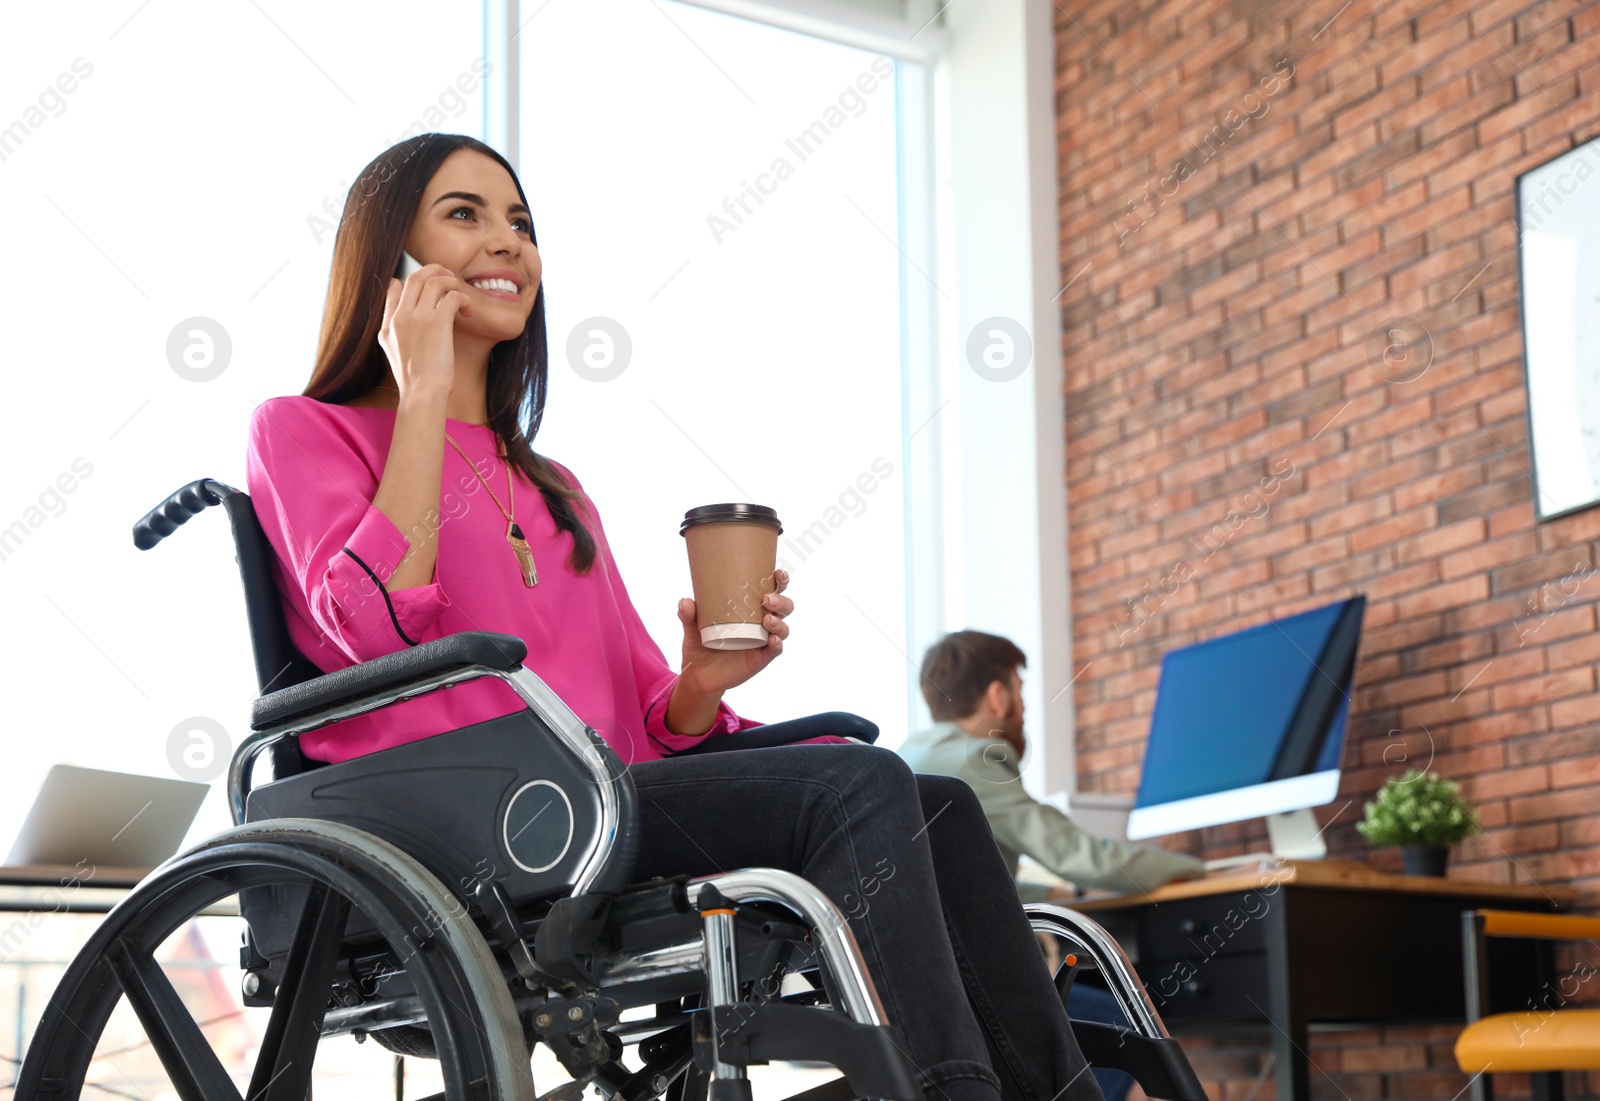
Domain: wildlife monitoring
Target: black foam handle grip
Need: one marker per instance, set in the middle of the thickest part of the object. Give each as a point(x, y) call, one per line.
point(175, 511)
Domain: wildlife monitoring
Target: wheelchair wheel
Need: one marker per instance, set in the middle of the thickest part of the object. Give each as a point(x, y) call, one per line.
point(482, 1053)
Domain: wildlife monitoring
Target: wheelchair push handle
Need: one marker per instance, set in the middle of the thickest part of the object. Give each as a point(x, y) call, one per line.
point(176, 510)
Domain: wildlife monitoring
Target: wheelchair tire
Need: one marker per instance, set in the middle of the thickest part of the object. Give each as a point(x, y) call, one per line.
point(408, 1040)
point(482, 1052)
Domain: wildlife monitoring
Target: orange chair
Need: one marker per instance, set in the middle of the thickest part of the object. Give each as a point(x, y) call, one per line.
point(1546, 1038)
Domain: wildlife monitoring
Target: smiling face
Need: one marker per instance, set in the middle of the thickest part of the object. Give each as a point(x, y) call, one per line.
point(472, 221)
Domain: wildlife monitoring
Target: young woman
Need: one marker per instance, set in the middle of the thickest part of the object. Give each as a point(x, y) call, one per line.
point(405, 502)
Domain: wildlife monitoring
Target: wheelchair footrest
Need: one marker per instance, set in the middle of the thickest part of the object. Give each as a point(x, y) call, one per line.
point(1158, 1065)
point(870, 1056)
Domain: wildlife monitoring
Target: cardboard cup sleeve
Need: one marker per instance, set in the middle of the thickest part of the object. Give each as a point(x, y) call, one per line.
point(733, 552)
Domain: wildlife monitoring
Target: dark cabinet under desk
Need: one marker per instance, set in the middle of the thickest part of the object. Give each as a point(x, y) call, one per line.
point(1326, 943)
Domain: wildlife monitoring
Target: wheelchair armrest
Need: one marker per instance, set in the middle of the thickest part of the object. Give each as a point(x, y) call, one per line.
point(840, 724)
point(389, 673)
point(1157, 1063)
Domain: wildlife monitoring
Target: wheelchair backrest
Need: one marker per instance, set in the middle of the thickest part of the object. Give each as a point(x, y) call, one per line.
point(278, 663)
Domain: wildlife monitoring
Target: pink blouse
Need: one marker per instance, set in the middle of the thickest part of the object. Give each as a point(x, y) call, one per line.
point(312, 471)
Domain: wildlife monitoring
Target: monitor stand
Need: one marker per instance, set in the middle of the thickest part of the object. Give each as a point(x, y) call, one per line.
point(1295, 836)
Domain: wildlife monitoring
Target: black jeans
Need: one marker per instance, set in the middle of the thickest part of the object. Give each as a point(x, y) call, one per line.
point(912, 863)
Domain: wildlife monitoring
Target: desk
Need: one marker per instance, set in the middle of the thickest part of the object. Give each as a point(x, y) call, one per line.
point(69, 889)
point(65, 889)
point(1328, 942)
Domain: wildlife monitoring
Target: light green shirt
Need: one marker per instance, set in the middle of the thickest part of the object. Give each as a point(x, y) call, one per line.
point(1024, 826)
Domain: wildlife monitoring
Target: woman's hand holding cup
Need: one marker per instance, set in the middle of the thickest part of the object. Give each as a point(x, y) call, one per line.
point(715, 671)
point(734, 626)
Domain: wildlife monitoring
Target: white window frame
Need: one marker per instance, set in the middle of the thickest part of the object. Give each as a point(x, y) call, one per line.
point(985, 492)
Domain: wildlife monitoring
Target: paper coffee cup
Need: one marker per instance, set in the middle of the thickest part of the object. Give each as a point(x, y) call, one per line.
point(733, 552)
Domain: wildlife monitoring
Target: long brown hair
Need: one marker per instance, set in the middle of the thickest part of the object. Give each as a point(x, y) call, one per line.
point(377, 218)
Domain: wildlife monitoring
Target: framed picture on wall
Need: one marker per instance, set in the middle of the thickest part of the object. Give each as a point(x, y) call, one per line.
point(1558, 256)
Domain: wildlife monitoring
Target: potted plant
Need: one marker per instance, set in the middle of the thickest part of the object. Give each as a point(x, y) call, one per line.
point(1422, 813)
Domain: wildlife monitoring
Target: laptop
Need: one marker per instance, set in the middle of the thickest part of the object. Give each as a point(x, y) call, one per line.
point(109, 819)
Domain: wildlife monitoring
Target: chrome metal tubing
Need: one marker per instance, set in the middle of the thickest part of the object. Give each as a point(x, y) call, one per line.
point(1107, 955)
point(244, 757)
point(372, 1016)
point(834, 940)
point(618, 968)
point(576, 735)
point(722, 981)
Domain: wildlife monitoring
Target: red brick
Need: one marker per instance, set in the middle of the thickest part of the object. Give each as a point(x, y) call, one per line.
point(1436, 212)
point(1449, 595)
point(1545, 689)
point(1435, 543)
point(1392, 530)
point(1581, 711)
point(1435, 487)
point(1454, 651)
point(1507, 783)
point(1383, 1058)
point(1582, 650)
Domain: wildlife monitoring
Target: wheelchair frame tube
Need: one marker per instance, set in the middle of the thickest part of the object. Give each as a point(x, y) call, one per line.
point(722, 980)
point(834, 940)
point(1108, 956)
point(548, 707)
point(389, 1013)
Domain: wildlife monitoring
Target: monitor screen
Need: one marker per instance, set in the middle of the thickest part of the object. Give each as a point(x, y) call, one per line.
point(1251, 710)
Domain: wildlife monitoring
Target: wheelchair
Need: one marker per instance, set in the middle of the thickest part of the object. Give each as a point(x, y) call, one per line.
point(470, 895)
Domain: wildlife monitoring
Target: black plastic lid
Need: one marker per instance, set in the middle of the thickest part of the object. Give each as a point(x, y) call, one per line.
point(730, 513)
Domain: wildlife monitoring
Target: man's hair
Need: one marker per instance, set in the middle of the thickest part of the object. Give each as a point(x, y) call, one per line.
point(959, 668)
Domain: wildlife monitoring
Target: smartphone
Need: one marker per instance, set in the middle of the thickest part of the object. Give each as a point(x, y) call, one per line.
point(408, 264)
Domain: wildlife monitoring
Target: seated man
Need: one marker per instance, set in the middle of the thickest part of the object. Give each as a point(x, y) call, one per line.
point(974, 692)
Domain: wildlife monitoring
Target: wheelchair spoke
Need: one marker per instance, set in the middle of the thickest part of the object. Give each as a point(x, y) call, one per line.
point(283, 1070)
point(338, 871)
point(184, 1051)
point(692, 1085)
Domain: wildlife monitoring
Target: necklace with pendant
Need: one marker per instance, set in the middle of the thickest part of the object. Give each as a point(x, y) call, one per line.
point(519, 545)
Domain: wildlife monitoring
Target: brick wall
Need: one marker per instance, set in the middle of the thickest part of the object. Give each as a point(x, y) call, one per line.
point(1293, 373)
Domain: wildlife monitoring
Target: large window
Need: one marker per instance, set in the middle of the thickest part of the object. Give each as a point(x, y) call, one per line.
point(719, 199)
point(166, 170)
point(189, 183)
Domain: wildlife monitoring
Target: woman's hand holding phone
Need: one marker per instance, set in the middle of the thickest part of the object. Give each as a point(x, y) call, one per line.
point(418, 336)
point(418, 331)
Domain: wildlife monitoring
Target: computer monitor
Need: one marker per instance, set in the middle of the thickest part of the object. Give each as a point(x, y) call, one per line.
point(1252, 725)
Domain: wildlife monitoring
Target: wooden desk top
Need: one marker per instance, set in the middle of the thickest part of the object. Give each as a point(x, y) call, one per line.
point(1337, 874)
